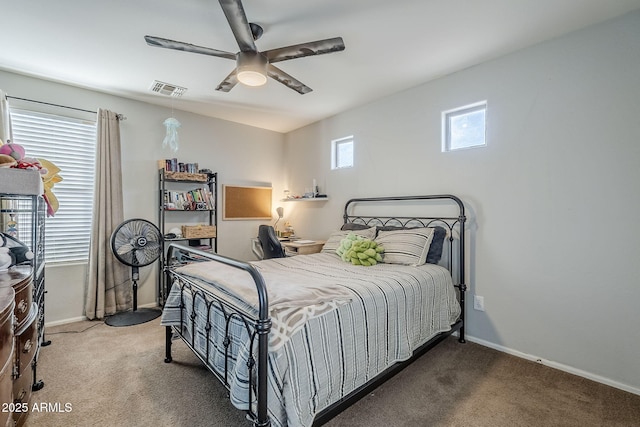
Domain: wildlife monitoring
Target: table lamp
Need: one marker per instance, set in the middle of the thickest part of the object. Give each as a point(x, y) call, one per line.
point(280, 212)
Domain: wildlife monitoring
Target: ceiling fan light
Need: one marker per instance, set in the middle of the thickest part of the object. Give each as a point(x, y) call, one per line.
point(251, 78)
point(252, 68)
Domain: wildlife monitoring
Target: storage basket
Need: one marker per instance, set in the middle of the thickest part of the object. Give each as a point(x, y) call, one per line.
point(185, 176)
point(198, 231)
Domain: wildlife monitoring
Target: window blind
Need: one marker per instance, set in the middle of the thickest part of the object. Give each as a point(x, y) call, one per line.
point(70, 144)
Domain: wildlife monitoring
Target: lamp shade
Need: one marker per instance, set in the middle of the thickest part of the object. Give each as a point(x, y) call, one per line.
point(252, 68)
point(280, 213)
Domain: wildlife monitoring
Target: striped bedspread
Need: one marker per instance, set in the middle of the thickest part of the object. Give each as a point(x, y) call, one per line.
point(393, 310)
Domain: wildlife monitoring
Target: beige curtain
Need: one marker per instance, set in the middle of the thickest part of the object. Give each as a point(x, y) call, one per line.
point(108, 287)
point(5, 122)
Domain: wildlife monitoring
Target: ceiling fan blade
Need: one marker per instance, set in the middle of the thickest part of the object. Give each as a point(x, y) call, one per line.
point(319, 47)
point(284, 78)
point(229, 82)
point(237, 19)
point(187, 47)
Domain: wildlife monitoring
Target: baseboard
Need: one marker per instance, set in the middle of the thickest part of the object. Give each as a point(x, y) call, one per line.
point(82, 318)
point(555, 365)
point(150, 305)
point(64, 321)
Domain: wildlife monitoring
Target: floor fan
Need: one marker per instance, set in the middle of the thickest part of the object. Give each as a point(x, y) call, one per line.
point(135, 243)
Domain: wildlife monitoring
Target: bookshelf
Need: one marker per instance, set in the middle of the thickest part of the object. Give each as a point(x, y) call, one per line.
point(188, 205)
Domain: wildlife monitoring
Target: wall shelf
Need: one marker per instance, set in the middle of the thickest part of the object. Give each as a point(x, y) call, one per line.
point(306, 199)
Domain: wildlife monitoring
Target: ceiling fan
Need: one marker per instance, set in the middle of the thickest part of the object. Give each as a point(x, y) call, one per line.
point(252, 66)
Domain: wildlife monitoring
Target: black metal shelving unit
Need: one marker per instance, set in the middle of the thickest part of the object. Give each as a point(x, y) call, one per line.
point(171, 217)
point(30, 209)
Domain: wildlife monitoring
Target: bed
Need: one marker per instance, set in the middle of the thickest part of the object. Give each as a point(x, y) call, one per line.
point(296, 340)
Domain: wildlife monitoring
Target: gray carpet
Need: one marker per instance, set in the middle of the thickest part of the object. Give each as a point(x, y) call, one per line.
point(115, 376)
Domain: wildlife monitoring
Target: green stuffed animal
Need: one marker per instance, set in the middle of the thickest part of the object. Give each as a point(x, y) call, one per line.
point(360, 251)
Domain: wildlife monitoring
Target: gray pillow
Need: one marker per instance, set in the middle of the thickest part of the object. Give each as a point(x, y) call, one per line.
point(354, 226)
point(437, 243)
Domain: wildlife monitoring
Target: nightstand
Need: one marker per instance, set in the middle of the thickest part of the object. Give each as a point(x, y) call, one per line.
point(303, 247)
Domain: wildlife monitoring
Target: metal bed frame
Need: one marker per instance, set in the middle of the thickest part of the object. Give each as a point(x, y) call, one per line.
point(258, 327)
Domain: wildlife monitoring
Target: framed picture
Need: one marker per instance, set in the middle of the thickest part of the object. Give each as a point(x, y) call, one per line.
point(241, 202)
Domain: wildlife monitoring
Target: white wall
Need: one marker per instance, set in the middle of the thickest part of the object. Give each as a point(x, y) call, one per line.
point(240, 154)
point(554, 244)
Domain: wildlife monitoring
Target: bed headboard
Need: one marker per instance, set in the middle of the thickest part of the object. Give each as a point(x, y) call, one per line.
point(379, 211)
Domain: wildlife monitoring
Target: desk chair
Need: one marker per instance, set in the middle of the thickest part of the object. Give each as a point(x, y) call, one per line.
point(271, 247)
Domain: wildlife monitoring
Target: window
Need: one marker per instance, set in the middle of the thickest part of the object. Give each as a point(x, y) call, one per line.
point(70, 144)
point(464, 127)
point(342, 153)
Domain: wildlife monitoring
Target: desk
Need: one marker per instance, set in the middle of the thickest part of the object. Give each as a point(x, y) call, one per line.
point(291, 247)
point(302, 247)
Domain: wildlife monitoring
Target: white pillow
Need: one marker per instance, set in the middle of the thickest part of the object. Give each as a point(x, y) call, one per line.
point(407, 246)
point(333, 242)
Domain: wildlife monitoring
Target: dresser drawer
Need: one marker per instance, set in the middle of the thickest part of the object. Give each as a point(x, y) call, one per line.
point(20, 278)
point(26, 340)
point(6, 419)
point(6, 389)
point(6, 324)
point(24, 298)
point(22, 395)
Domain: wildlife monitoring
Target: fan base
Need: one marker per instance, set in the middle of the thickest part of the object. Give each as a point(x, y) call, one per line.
point(129, 318)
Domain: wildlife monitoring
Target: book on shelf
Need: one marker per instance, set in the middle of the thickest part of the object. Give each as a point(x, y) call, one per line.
point(196, 199)
point(172, 165)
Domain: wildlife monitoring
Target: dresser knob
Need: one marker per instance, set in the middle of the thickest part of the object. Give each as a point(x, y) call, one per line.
point(21, 396)
point(22, 306)
point(27, 346)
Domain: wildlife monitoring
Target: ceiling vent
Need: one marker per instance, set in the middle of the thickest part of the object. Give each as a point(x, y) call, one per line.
point(167, 89)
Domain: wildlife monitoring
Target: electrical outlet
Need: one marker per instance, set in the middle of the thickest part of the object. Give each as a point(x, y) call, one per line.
point(478, 302)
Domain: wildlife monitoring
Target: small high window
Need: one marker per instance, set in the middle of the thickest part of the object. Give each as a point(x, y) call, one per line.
point(342, 153)
point(464, 127)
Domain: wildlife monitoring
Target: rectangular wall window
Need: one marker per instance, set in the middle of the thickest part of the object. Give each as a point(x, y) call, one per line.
point(70, 144)
point(464, 127)
point(342, 153)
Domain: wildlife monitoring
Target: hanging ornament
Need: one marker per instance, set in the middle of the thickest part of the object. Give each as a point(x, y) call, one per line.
point(171, 138)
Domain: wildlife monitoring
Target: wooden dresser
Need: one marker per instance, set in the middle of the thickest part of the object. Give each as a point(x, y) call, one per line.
point(20, 342)
point(7, 304)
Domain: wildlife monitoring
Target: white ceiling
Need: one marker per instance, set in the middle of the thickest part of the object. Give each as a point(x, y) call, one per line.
point(390, 46)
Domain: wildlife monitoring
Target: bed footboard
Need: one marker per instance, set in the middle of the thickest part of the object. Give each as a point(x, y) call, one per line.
point(258, 327)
